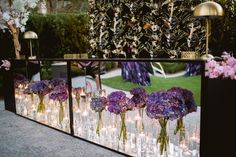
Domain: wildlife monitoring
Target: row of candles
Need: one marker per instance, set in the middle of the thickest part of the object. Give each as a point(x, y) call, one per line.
point(141, 131)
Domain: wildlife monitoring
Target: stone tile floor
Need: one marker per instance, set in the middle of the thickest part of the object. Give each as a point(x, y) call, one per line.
point(20, 137)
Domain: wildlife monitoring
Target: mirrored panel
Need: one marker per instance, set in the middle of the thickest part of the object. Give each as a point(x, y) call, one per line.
point(142, 108)
point(41, 92)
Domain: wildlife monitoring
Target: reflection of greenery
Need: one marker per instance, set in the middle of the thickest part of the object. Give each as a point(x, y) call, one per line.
point(157, 83)
point(75, 71)
point(172, 67)
point(109, 65)
point(60, 33)
point(46, 71)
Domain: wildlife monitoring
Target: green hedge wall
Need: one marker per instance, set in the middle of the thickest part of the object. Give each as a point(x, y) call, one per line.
point(58, 34)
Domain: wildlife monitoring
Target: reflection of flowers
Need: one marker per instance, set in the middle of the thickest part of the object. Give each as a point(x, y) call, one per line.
point(139, 99)
point(118, 103)
point(77, 92)
point(60, 94)
point(41, 88)
point(190, 106)
point(98, 105)
point(222, 69)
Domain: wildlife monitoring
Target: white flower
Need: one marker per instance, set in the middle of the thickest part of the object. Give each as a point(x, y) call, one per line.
point(19, 5)
point(6, 16)
point(17, 14)
point(154, 27)
point(22, 29)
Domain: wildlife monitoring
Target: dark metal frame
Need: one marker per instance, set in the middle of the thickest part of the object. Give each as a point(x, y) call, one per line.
point(10, 99)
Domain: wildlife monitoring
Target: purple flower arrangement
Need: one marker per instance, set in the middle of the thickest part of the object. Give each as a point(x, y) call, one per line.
point(222, 69)
point(118, 103)
point(172, 104)
point(187, 102)
point(98, 104)
point(60, 94)
point(41, 88)
point(139, 97)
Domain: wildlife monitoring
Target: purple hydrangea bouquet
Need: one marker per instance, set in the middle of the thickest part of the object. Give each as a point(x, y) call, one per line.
point(41, 88)
point(60, 94)
point(185, 98)
point(221, 69)
point(139, 98)
point(118, 104)
point(164, 106)
point(98, 104)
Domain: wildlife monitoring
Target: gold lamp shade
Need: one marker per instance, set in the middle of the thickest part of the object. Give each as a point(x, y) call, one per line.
point(30, 35)
point(208, 8)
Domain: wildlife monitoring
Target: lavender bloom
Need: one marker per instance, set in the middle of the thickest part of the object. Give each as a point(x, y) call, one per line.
point(40, 87)
point(139, 97)
point(59, 93)
point(98, 104)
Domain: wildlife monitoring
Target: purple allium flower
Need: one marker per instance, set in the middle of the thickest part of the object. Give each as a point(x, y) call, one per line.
point(117, 96)
point(187, 98)
point(114, 107)
point(118, 102)
point(40, 87)
point(165, 104)
point(139, 97)
point(59, 93)
point(98, 104)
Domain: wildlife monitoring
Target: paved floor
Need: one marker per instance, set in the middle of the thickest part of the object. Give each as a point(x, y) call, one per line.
point(22, 138)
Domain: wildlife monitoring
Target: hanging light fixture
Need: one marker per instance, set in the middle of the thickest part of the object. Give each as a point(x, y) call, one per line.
point(208, 10)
